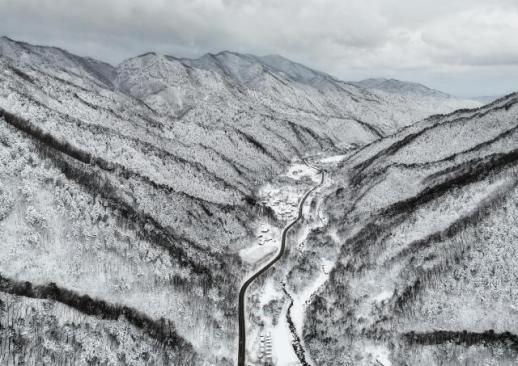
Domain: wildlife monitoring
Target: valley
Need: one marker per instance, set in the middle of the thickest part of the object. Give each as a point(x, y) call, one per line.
point(261, 306)
point(233, 207)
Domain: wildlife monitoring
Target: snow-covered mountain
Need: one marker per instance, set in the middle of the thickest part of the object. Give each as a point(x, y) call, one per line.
point(401, 87)
point(425, 223)
point(129, 193)
point(42, 56)
point(175, 85)
point(485, 99)
point(430, 101)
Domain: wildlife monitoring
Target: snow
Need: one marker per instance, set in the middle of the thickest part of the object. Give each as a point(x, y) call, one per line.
point(254, 255)
point(333, 159)
point(429, 221)
point(298, 171)
point(379, 353)
point(283, 197)
point(189, 142)
point(283, 353)
point(268, 292)
point(383, 295)
point(282, 200)
point(327, 265)
point(301, 299)
point(266, 244)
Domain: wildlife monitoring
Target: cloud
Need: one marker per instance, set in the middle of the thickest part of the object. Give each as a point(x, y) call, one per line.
point(350, 39)
point(478, 37)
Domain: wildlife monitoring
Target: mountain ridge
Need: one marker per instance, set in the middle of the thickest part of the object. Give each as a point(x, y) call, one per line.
point(146, 191)
point(278, 63)
point(398, 86)
point(424, 217)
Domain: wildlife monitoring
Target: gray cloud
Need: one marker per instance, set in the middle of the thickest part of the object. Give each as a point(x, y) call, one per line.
point(461, 46)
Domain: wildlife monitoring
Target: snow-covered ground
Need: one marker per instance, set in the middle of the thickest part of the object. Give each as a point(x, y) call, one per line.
point(283, 353)
point(283, 200)
point(299, 170)
point(265, 245)
point(333, 159)
point(426, 220)
point(127, 169)
point(269, 307)
point(269, 299)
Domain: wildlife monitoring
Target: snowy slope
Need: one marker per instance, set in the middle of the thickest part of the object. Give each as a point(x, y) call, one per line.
point(426, 221)
point(173, 86)
point(428, 101)
point(401, 87)
point(128, 192)
point(41, 56)
point(274, 83)
point(144, 213)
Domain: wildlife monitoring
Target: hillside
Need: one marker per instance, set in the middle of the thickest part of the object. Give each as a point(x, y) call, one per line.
point(228, 80)
point(426, 225)
point(429, 101)
point(129, 193)
point(401, 87)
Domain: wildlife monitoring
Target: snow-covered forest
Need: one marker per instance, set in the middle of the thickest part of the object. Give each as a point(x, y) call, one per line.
point(136, 199)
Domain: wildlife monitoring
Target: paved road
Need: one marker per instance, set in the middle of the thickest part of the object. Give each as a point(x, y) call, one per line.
point(241, 359)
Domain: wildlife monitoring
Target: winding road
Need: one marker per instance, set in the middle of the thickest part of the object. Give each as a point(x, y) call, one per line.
point(242, 293)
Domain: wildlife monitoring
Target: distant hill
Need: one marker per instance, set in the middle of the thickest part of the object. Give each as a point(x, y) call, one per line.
point(486, 98)
point(401, 87)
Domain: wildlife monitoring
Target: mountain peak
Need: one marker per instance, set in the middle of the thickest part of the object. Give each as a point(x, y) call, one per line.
point(395, 86)
point(295, 70)
point(36, 55)
point(10, 40)
point(148, 54)
point(230, 53)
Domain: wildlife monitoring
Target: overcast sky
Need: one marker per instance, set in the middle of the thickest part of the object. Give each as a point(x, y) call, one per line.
point(464, 47)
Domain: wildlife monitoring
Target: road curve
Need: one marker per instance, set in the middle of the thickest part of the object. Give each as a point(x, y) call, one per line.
point(241, 359)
